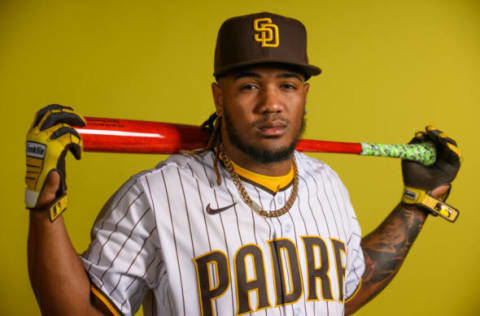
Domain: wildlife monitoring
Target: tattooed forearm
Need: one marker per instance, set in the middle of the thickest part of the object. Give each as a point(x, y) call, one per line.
point(385, 250)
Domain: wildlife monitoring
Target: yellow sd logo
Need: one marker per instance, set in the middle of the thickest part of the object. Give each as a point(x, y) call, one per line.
point(266, 32)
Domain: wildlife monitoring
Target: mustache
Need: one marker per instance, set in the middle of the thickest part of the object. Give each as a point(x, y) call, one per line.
point(270, 117)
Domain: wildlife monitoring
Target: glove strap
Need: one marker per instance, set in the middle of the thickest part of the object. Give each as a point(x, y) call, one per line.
point(435, 206)
point(55, 209)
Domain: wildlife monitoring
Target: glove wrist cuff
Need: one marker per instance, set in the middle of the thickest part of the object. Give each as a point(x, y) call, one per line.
point(432, 204)
point(55, 209)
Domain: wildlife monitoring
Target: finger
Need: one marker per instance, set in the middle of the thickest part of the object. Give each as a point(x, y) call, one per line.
point(64, 130)
point(447, 145)
point(70, 138)
point(76, 150)
point(55, 117)
point(419, 137)
point(442, 138)
point(62, 171)
point(455, 150)
point(433, 130)
point(420, 134)
point(44, 110)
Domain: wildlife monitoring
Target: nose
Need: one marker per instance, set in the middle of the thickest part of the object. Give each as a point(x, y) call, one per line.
point(271, 101)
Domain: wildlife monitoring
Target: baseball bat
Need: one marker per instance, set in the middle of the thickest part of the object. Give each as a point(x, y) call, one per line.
point(133, 136)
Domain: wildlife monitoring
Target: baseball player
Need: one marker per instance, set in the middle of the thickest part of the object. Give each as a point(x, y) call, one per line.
point(246, 225)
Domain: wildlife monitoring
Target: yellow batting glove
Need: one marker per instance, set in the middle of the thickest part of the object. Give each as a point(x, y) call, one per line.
point(48, 141)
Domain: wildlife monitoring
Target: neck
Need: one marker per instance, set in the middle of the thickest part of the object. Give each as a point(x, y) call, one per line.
point(273, 169)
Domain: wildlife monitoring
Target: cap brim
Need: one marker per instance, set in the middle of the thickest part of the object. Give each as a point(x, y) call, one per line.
point(308, 70)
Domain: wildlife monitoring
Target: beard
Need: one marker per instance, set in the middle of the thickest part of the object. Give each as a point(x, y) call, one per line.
point(260, 154)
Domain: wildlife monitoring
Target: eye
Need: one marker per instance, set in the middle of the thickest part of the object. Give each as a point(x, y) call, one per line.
point(288, 86)
point(248, 87)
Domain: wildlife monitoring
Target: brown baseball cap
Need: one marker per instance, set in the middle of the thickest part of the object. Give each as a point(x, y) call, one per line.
point(262, 38)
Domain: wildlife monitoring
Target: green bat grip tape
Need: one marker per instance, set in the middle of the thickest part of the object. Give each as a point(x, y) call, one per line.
point(423, 153)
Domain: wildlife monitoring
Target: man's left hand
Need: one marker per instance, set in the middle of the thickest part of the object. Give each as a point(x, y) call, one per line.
point(442, 172)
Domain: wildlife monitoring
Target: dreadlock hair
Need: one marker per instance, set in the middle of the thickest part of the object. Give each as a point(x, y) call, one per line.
point(212, 126)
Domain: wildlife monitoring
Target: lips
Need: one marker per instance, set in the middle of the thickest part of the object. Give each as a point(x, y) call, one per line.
point(272, 128)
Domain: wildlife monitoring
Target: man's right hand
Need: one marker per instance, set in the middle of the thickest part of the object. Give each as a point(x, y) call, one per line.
point(48, 141)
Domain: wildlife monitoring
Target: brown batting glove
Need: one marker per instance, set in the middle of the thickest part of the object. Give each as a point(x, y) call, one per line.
point(420, 181)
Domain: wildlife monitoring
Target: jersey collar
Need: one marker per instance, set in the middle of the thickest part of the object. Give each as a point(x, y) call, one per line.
point(273, 184)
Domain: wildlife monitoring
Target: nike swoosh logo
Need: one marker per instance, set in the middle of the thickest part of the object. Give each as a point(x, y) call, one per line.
point(213, 211)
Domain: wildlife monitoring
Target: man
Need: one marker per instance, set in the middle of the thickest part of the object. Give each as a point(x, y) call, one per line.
point(247, 225)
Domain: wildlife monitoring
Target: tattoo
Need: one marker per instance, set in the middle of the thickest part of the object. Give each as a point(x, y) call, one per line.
point(385, 250)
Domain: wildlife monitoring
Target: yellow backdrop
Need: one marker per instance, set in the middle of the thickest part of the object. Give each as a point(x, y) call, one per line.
point(390, 68)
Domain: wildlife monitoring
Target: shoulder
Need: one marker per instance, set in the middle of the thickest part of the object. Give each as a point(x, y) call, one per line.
point(138, 188)
point(309, 167)
point(199, 166)
point(315, 171)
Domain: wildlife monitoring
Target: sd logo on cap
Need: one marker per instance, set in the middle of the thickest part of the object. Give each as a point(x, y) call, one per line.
point(267, 32)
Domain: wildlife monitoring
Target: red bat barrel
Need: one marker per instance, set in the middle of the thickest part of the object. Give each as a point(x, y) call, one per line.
point(324, 146)
point(132, 136)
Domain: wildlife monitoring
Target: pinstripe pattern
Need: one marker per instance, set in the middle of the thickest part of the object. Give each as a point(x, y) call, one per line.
point(152, 232)
point(117, 254)
point(174, 236)
point(227, 248)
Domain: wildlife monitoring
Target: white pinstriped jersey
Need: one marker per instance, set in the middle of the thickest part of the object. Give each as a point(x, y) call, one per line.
point(155, 235)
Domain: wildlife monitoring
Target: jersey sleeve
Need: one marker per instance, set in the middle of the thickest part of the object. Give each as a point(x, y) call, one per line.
point(123, 260)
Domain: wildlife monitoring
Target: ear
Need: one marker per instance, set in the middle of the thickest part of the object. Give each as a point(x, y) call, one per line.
point(306, 87)
point(217, 93)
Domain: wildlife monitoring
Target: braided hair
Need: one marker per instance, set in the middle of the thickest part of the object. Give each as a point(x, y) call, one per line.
point(212, 126)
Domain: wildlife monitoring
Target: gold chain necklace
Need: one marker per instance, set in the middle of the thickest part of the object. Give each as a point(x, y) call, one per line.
point(246, 198)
